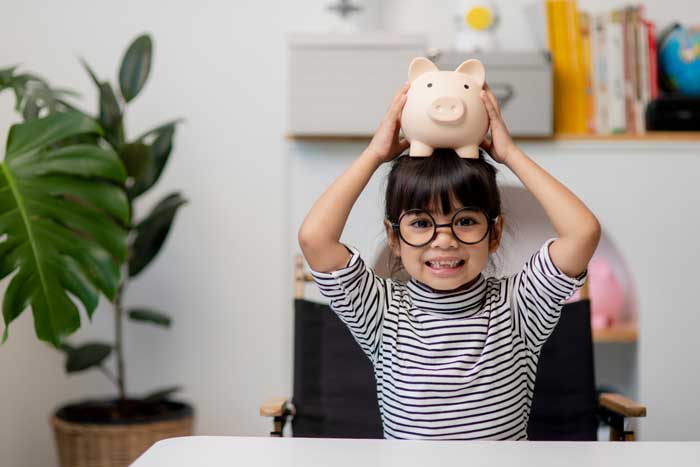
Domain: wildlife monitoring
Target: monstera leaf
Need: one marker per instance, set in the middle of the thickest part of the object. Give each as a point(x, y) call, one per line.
point(63, 217)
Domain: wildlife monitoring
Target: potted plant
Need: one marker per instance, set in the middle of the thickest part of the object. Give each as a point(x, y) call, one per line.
point(68, 183)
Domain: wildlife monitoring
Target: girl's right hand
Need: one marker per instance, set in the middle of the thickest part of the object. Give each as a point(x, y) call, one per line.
point(385, 144)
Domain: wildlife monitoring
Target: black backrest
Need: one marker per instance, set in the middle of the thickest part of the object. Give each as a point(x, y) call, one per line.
point(335, 392)
point(564, 403)
point(334, 387)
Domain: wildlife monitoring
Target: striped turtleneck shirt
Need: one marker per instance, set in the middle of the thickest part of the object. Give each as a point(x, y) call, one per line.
point(456, 365)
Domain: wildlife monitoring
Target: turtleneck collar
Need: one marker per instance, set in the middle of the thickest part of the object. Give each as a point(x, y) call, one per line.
point(464, 303)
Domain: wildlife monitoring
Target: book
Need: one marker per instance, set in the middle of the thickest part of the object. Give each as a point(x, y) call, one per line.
point(586, 66)
point(630, 67)
point(567, 66)
point(653, 60)
point(616, 74)
point(599, 74)
point(643, 94)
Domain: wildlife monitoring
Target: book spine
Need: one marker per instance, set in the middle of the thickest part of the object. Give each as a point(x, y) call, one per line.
point(653, 60)
point(643, 72)
point(630, 69)
point(615, 68)
point(565, 45)
point(586, 69)
point(599, 74)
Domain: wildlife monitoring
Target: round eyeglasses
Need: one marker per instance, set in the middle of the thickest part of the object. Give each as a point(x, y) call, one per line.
point(469, 225)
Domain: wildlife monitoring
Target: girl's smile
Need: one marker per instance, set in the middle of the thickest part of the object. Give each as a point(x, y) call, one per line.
point(445, 266)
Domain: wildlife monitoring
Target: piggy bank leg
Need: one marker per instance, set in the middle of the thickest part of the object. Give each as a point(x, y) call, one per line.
point(468, 152)
point(419, 149)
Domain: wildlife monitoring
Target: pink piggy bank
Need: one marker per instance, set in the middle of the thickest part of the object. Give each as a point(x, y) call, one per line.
point(443, 109)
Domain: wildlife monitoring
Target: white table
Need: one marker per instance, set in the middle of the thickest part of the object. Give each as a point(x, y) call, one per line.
point(305, 452)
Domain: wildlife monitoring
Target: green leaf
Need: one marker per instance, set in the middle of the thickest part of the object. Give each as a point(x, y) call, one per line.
point(160, 394)
point(110, 112)
point(111, 116)
point(135, 67)
point(152, 232)
point(161, 147)
point(31, 109)
point(154, 132)
point(86, 356)
point(92, 74)
point(6, 75)
point(62, 210)
point(150, 316)
point(136, 158)
point(24, 139)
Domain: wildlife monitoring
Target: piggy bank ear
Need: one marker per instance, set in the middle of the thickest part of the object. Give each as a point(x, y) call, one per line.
point(473, 68)
point(418, 66)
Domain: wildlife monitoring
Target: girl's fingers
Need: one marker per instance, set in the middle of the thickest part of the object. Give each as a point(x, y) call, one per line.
point(488, 103)
point(399, 100)
point(491, 96)
point(400, 93)
point(397, 108)
point(494, 101)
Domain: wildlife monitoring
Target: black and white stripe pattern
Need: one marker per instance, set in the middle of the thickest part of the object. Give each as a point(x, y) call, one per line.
point(452, 366)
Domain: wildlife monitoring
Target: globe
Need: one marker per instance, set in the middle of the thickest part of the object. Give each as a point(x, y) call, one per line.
point(679, 60)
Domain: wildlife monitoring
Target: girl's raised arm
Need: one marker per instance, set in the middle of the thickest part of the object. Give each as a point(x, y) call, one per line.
point(319, 235)
point(577, 227)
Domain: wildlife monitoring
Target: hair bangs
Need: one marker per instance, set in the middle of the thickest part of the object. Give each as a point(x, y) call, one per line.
point(441, 183)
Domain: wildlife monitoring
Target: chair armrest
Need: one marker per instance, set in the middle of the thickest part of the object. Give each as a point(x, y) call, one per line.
point(274, 407)
point(621, 405)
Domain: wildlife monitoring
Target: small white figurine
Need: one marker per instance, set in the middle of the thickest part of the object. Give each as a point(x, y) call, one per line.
point(476, 23)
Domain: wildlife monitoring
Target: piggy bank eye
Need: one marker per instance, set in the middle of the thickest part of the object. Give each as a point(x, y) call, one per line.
point(466, 86)
point(430, 85)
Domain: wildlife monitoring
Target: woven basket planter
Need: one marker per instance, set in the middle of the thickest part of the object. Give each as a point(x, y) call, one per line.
point(115, 443)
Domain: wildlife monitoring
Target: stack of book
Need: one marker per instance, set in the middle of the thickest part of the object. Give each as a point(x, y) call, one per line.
point(605, 68)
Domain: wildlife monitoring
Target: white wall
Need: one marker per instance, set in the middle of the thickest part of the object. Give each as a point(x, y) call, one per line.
point(222, 66)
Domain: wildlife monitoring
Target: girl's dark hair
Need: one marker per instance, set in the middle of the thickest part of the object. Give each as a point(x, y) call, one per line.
point(434, 182)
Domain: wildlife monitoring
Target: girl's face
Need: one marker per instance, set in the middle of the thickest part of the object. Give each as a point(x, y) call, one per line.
point(445, 263)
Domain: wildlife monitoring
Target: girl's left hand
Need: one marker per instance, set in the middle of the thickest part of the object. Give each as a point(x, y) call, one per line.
point(501, 144)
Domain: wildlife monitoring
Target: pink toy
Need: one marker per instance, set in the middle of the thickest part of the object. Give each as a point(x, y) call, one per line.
point(444, 108)
point(607, 295)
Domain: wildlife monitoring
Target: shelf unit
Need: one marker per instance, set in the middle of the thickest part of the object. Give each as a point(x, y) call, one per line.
point(670, 136)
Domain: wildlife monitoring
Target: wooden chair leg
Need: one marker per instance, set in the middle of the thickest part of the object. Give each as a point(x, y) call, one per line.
point(278, 425)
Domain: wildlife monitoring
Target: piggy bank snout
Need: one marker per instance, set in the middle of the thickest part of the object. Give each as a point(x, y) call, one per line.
point(446, 109)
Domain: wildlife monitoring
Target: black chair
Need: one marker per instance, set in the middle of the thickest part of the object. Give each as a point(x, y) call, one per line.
point(566, 405)
point(335, 394)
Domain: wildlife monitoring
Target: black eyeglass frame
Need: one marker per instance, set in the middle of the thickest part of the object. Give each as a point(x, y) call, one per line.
point(490, 222)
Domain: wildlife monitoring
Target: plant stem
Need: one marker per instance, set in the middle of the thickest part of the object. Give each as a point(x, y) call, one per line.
point(118, 341)
point(110, 376)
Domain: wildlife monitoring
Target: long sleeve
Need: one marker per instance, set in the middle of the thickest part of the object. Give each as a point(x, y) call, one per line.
point(539, 292)
point(359, 297)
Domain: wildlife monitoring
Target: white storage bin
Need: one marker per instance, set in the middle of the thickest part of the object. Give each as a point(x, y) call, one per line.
point(342, 84)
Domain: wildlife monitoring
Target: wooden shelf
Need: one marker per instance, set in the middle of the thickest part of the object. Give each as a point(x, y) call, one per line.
point(623, 332)
point(649, 136)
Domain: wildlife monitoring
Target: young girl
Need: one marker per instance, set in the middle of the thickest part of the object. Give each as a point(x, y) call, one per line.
point(454, 353)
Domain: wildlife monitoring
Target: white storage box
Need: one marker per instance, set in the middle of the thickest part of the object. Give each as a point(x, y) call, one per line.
point(342, 84)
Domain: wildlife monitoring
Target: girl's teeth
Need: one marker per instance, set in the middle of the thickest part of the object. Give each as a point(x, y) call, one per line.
point(444, 264)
